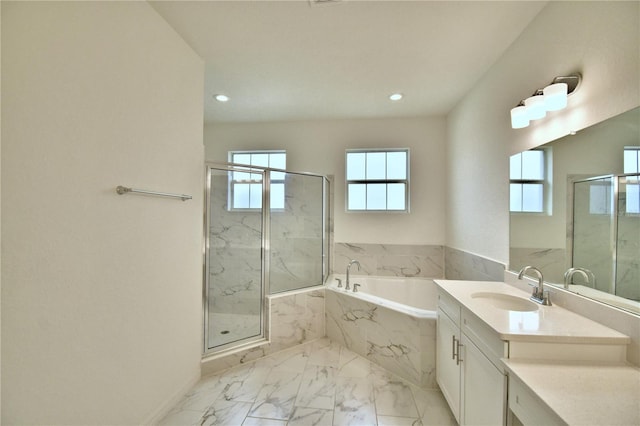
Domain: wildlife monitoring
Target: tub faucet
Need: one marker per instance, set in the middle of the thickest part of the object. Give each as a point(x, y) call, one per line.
point(539, 295)
point(589, 277)
point(348, 269)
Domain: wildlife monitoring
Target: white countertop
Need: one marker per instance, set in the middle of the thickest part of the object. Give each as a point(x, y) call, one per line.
point(546, 324)
point(583, 393)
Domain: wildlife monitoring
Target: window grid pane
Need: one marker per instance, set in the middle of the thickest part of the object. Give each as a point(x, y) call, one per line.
point(376, 165)
point(396, 196)
point(532, 165)
point(396, 165)
point(532, 197)
point(356, 166)
point(633, 199)
point(515, 197)
point(515, 167)
point(631, 160)
point(376, 196)
point(357, 197)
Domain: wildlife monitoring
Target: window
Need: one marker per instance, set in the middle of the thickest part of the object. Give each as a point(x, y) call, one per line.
point(246, 188)
point(631, 159)
point(632, 186)
point(377, 180)
point(527, 172)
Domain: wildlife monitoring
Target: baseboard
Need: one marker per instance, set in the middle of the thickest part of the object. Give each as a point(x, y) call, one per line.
point(171, 402)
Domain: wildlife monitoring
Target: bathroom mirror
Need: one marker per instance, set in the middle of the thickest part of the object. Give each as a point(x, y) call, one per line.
point(578, 208)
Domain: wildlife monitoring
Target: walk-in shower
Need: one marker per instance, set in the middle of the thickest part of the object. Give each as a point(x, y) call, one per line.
point(606, 232)
point(252, 251)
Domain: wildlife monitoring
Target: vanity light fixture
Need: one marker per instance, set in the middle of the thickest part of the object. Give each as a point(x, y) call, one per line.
point(221, 98)
point(552, 98)
point(395, 96)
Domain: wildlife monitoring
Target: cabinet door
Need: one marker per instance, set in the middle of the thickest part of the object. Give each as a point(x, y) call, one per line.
point(447, 369)
point(484, 386)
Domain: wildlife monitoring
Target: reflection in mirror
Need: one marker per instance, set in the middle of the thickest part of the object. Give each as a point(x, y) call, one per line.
point(584, 212)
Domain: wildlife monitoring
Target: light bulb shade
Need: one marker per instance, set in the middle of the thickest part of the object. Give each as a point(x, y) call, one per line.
point(535, 107)
point(519, 117)
point(555, 96)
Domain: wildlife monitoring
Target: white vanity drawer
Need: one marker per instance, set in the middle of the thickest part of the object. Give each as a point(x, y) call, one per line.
point(527, 407)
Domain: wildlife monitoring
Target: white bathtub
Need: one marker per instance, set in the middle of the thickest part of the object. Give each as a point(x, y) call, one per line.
point(414, 296)
point(390, 321)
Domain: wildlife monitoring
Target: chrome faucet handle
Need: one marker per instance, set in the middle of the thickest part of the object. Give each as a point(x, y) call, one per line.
point(355, 287)
point(339, 282)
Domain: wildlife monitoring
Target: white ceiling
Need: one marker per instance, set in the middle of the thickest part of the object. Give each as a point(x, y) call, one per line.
point(291, 60)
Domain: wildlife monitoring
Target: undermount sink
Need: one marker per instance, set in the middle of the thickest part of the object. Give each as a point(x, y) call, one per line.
point(506, 301)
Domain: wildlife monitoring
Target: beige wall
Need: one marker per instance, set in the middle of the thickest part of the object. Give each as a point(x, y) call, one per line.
point(319, 147)
point(598, 39)
point(101, 293)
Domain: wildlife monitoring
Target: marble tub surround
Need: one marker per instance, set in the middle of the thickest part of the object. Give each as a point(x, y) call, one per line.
point(400, 260)
point(295, 318)
point(583, 393)
point(397, 341)
point(316, 383)
point(462, 265)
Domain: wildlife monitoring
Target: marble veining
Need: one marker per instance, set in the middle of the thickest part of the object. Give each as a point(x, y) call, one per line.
point(398, 342)
point(317, 383)
point(461, 265)
point(295, 319)
point(399, 260)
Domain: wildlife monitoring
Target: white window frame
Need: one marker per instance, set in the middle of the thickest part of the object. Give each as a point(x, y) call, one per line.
point(628, 168)
point(367, 182)
point(233, 182)
point(544, 181)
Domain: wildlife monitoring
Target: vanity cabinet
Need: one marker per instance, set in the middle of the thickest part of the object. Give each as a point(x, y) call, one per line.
point(558, 367)
point(468, 368)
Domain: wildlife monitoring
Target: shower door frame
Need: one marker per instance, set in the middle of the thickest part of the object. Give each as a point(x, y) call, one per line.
point(263, 337)
point(615, 193)
point(265, 251)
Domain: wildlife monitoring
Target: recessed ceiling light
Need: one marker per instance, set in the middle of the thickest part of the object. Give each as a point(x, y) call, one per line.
point(222, 98)
point(395, 96)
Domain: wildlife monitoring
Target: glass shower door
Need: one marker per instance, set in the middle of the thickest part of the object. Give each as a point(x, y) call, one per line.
point(628, 238)
point(235, 282)
point(594, 230)
point(299, 238)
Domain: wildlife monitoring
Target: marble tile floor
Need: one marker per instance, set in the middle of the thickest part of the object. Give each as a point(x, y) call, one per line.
point(317, 383)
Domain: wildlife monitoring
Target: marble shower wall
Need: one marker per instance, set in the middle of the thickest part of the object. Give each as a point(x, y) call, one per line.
point(552, 261)
point(397, 260)
point(294, 319)
point(399, 343)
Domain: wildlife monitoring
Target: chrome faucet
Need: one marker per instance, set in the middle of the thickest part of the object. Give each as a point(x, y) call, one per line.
point(589, 277)
point(348, 269)
point(539, 295)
